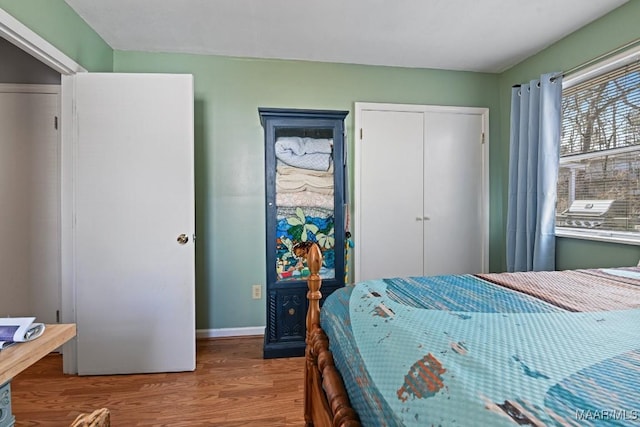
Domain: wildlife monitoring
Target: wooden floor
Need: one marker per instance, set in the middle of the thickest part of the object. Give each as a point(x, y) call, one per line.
point(232, 386)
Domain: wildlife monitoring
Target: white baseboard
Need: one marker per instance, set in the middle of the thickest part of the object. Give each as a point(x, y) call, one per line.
point(230, 332)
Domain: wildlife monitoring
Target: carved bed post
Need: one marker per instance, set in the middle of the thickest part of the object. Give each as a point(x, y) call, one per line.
point(326, 403)
point(314, 282)
point(314, 262)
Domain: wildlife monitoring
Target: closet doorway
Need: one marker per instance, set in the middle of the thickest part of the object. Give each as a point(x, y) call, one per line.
point(421, 190)
point(29, 186)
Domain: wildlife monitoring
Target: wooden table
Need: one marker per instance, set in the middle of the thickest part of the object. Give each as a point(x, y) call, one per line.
point(19, 357)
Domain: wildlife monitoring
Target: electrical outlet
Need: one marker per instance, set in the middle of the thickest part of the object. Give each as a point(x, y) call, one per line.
point(256, 291)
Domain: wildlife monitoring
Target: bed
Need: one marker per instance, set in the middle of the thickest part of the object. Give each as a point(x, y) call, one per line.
point(535, 348)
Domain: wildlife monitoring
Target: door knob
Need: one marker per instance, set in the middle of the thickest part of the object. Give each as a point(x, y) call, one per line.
point(183, 239)
point(418, 218)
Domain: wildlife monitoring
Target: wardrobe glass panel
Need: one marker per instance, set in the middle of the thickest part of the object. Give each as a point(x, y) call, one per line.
point(304, 199)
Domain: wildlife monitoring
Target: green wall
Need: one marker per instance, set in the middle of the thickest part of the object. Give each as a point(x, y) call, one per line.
point(56, 22)
point(577, 253)
point(615, 29)
point(229, 144)
point(230, 151)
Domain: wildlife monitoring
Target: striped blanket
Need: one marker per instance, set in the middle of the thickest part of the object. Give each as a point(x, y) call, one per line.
point(552, 348)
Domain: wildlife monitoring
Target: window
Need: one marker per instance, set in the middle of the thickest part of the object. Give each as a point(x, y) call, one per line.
point(599, 174)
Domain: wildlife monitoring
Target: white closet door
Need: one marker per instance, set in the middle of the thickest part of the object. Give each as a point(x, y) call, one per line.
point(454, 198)
point(134, 196)
point(421, 191)
point(389, 198)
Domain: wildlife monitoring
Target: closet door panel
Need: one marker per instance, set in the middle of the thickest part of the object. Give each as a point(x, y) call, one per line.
point(421, 189)
point(453, 202)
point(391, 196)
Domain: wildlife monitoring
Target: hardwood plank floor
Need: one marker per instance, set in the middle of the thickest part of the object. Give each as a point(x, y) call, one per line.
point(232, 386)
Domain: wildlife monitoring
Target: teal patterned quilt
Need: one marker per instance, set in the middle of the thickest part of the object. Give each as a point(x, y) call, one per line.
point(465, 351)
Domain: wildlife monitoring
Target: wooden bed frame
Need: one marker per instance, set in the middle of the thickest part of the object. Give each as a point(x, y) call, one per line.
point(325, 399)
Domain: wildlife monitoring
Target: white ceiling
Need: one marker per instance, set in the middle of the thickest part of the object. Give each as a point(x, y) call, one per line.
point(473, 35)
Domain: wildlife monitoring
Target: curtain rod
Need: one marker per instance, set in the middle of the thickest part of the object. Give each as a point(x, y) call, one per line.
point(609, 54)
point(597, 59)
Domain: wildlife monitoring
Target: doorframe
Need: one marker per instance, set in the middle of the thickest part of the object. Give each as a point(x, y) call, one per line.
point(23, 37)
point(359, 108)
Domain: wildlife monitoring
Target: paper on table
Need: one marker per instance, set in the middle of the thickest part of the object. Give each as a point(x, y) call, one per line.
point(18, 329)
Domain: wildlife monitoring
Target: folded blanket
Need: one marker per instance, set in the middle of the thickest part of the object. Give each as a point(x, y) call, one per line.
point(307, 153)
point(296, 179)
point(284, 169)
point(284, 212)
point(303, 199)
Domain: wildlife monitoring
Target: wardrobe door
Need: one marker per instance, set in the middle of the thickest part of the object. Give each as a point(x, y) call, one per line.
point(391, 195)
point(304, 167)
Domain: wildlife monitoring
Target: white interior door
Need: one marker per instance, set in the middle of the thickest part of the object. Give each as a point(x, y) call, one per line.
point(389, 197)
point(134, 195)
point(30, 200)
point(454, 200)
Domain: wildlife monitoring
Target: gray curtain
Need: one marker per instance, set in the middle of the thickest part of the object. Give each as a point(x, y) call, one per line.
point(536, 118)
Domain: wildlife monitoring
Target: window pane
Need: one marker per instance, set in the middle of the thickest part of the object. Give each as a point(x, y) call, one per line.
point(600, 193)
point(599, 176)
point(602, 113)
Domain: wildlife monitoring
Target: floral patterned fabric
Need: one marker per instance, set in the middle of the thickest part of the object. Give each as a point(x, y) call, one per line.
point(300, 224)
